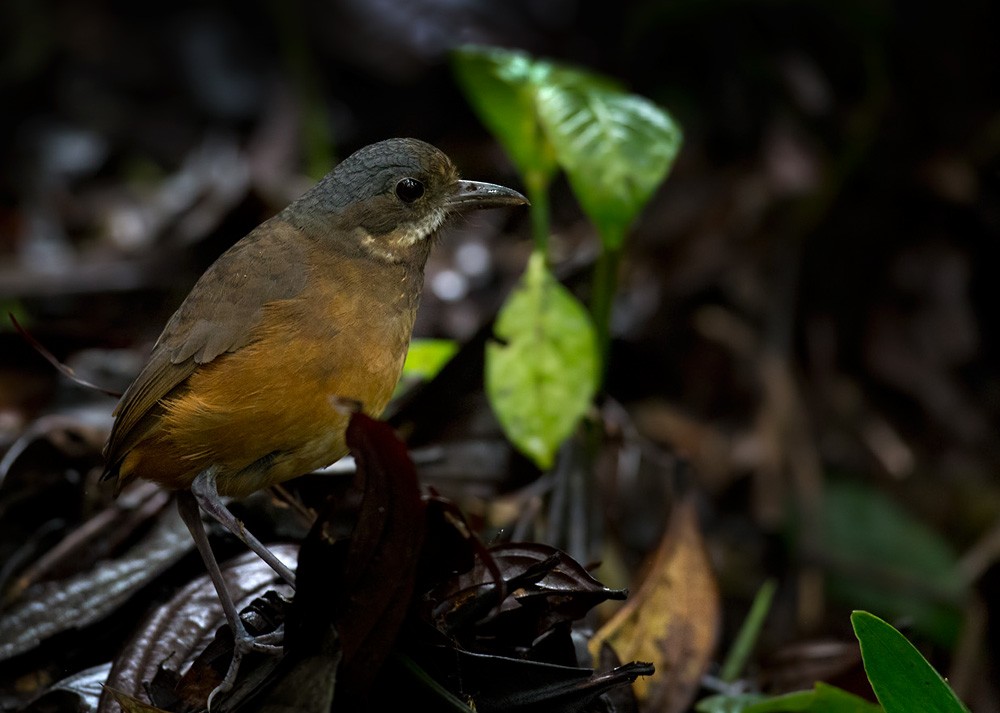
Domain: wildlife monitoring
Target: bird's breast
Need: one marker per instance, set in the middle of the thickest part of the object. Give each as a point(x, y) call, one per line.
point(278, 407)
point(345, 337)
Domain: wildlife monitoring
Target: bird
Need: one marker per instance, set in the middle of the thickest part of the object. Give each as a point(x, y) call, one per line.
point(305, 319)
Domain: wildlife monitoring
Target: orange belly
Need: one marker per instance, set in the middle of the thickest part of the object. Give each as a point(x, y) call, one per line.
point(273, 410)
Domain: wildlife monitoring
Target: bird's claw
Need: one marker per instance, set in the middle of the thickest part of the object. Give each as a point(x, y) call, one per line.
point(243, 643)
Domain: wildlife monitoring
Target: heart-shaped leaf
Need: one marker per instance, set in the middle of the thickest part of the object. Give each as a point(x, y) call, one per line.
point(501, 85)
point(615, 147)
point(543, 373)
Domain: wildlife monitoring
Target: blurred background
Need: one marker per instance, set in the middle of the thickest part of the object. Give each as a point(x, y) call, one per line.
point(807, 318)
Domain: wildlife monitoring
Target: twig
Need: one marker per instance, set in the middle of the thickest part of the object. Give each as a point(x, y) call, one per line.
point(51, 359)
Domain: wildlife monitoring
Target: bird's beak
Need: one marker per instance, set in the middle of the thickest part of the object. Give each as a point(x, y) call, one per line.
point(467, 195)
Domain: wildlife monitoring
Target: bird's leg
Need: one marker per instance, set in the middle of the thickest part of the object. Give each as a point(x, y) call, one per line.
point(207, 494)
point(243, 640)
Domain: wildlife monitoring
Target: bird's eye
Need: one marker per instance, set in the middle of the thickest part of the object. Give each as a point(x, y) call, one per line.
point(409, 189)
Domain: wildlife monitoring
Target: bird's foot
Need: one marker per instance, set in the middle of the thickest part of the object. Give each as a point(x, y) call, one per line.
point(244, 643)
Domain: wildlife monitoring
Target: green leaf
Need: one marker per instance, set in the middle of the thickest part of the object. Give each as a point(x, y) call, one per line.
point(746, 637)
point(822, 699)
point(542, 373)
point(879, 556)
point(728, 703)
point(903, 680)
point(14, 311)
point(426, 357)
point(501, 86)
point(615, 147)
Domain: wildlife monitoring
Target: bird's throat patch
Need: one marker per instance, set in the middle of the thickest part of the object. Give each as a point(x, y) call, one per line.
point(396, 246)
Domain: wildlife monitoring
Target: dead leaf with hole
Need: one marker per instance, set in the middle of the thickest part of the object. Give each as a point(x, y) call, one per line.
point(672, 620)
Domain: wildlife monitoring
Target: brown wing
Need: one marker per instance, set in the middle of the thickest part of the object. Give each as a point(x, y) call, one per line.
point(219, 315)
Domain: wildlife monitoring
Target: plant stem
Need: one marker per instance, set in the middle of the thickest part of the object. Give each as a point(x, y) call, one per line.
point(604, 286)
point(739, 654)
point(537, 186)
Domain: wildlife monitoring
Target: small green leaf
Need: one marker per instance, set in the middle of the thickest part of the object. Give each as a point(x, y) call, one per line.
point(882, 557)
point(746, 637)
point(426, 357)
point(15, 313)
point(501, 85)
point(822, 699)
point(903, 680)
point(830, 699)
point(728, 703)
point(542, 373)
point(615, 147)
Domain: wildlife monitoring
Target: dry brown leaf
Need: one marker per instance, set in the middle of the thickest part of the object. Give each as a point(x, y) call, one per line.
point(672, 620)
point(130, 704)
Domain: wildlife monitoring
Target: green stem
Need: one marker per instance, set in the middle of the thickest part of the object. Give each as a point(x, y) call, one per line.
point(605, 284)
point(537, 186)
point(742, 647)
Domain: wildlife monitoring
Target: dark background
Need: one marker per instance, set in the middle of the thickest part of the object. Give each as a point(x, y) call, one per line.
point(810, 298)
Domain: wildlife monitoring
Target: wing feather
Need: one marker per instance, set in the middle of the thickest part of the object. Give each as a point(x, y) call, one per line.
point(220, 314)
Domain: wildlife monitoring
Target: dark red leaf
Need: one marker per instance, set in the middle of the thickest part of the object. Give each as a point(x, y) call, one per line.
point(362, 585)
point(543, 588)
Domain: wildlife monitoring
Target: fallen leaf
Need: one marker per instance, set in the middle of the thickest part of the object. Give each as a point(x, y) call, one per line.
point(129, 704)
point(175, 633)
point(78, 692)
point(672, 620)
point(367, 590)
point(48, 608)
